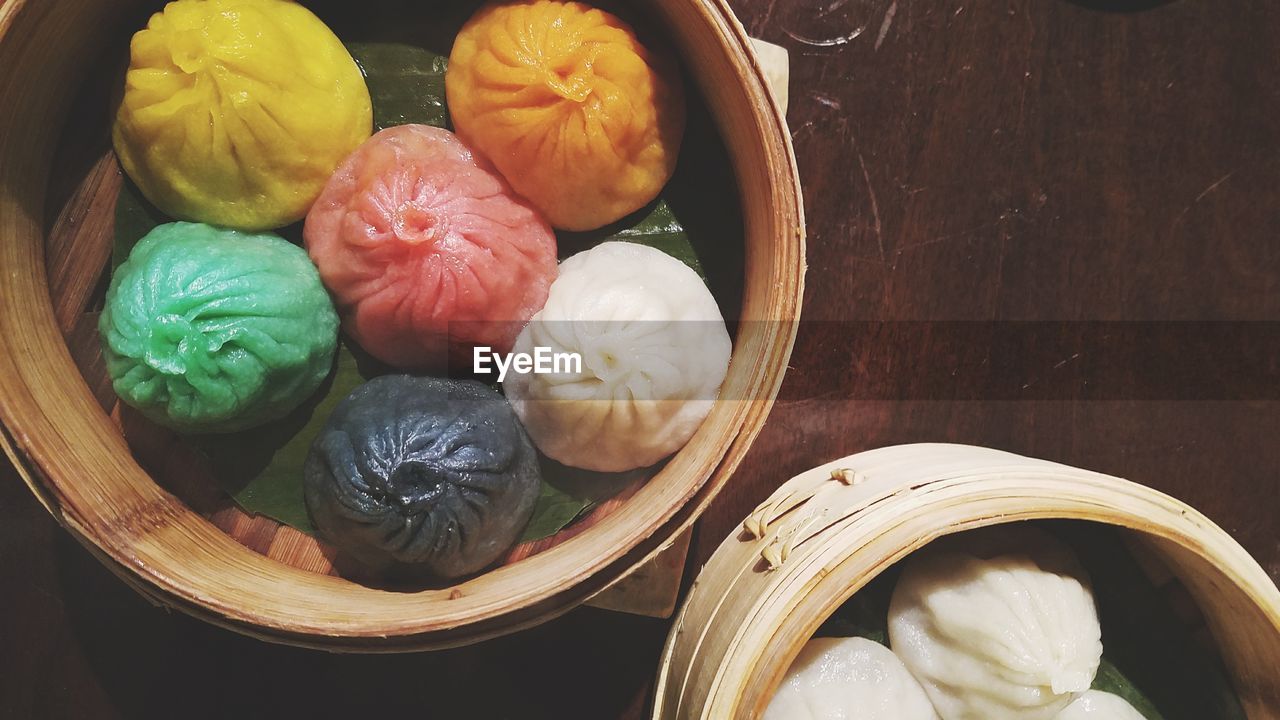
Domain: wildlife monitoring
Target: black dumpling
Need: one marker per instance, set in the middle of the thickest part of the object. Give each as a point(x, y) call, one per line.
point(431, 475)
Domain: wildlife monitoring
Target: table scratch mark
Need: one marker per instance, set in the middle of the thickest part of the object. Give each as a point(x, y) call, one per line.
point(826, 100)
point(807, 127)
point(877, 227)
point(1026, 71)
point(825, 42)
point(1212, 186)
point(875, 208)
point(998, 285)
point(1064, 361)
point(832, 7)
point(951, 236)
point(886, 23)
point(768, 14)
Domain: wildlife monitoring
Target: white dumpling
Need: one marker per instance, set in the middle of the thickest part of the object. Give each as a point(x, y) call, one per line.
point(654, 351)
point(1098, 705)
point(997, 625)
point(848, 679)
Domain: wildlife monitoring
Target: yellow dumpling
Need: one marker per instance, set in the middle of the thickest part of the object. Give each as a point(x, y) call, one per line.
point(236, 112)
point(581, 118)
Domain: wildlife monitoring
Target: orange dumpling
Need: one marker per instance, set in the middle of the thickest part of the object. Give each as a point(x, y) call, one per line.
point(580, 117)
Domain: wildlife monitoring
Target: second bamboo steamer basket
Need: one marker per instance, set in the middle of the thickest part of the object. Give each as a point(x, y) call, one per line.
point(828, 531)
point(75, 460)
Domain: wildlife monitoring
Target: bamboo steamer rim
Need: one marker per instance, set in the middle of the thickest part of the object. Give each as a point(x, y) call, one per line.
point(743, 623)
point(75, 461)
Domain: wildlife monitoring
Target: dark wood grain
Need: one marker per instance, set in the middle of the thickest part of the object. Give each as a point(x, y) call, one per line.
point(1035, 160)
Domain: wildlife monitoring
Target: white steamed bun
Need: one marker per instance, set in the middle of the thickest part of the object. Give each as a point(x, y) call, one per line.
point(654, 351)
point(993, 633)
point(848, 679)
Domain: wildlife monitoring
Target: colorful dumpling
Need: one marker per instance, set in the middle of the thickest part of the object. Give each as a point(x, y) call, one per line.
point(579, 116)
point(427, 250)
point(212, 330)
point(235, 112)
point(653, 352)
point(419, 475)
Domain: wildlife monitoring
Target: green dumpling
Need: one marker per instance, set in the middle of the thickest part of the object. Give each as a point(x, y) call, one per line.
point(211, 330)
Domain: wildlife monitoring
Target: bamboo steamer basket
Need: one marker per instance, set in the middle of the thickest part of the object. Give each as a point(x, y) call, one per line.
point(828, 531)
point(74, 458)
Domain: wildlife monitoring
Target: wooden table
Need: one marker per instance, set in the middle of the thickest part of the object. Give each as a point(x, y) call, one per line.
point(965, 162)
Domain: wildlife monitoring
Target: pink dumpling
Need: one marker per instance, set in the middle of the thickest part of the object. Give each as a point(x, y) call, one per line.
point(427, 250)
